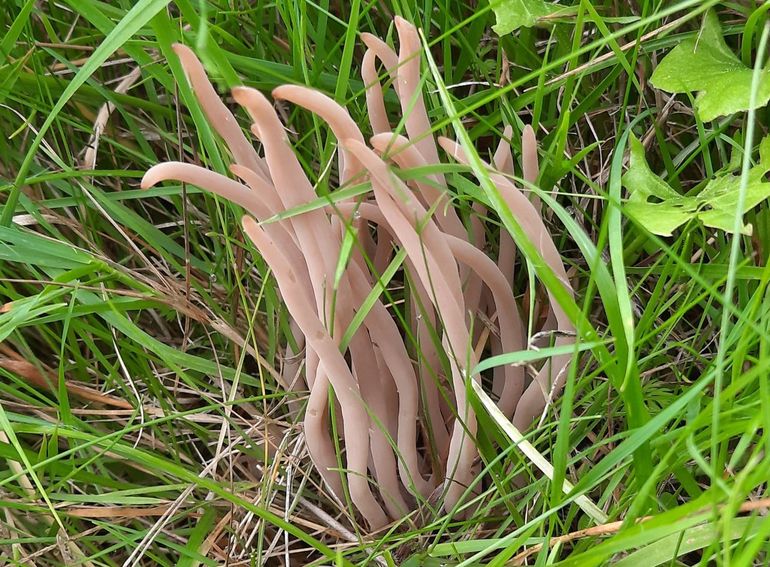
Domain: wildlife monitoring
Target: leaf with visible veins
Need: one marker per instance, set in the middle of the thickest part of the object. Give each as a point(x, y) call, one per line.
point(706, 65)
point(514, 14)
point(661, 210)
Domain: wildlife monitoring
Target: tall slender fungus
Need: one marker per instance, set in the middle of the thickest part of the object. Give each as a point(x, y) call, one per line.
point(406, 424)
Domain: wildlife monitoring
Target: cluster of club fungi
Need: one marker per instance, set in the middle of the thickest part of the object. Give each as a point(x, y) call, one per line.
point(399, 382)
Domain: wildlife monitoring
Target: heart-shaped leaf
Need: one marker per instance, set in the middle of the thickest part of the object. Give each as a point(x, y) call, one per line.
point(705, 64)
point(661, 210)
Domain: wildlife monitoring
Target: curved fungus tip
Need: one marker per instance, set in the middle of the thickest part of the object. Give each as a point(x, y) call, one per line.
point(181, 49)
point(448, 145)
point(527, 130)
point(288, 92)
point(369, 39)
point(248, 223)
point(384, 140)
point(402, 23)
point(158, 173)
point(250, 98)
point(282, 92)
point(147, 181)
point(529, 154)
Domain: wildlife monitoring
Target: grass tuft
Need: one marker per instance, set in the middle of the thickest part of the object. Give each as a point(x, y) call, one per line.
point(142, 421)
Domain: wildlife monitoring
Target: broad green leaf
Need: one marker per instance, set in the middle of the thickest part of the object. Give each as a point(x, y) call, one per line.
point(514, 14)
point(651, 200)
point(661, 210)
point(706, 65)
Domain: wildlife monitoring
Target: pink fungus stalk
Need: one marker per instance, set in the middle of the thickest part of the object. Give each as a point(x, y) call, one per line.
point(406, 424)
